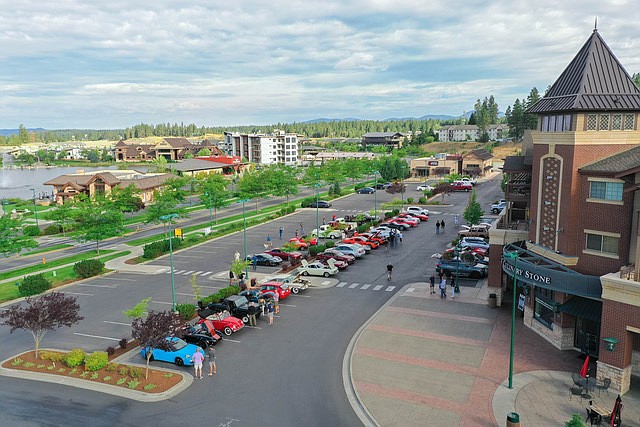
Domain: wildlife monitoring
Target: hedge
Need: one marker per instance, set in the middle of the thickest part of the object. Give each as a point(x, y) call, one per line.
point(52, 229)
point(34, 285)
point(31, 230)
point(186, 311)
point(155, 249)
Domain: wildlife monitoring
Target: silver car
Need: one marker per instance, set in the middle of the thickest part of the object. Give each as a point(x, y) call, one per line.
point(349, 249)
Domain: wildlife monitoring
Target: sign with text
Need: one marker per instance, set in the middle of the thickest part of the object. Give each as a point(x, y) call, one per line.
point(521, 301)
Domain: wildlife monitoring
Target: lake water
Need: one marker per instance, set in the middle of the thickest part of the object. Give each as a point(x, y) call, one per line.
point(19, 182)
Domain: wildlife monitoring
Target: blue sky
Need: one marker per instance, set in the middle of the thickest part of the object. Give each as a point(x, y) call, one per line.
point(98, 64)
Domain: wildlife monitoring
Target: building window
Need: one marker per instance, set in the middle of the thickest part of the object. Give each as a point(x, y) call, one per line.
point(604, 122)
point(556, 123)
point(592, 121)
point(628, 121)
point(543, 309)
point(600, 243)
point(616, 122)
point(606, 190)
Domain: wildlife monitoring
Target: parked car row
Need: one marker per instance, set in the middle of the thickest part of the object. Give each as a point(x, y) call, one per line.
point(470, 258)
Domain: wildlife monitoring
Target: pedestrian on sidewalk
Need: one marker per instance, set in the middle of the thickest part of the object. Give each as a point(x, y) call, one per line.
point(437, 227)
point(389, 271)
point(432, 284)
point(302, 228)
point(456, 220)
point(453, 289)
point(443, 288)
point(269, 241)
point(197, 358)
point(442, 225)
point(211, 355)
point(281, 230)
point(231, 277)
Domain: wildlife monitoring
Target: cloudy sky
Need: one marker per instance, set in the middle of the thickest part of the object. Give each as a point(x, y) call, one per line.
point(112, 64)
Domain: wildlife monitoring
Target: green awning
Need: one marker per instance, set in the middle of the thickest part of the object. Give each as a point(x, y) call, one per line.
point(583, 307)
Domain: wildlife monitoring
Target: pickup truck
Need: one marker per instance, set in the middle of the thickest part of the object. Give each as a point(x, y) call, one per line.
point(327, 232)
point(498, 207)
point(461, 186)
point(237, 305)
point(474, 231)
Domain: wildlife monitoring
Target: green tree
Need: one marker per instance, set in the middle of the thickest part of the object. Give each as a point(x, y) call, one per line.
point(473, 212)
point(636, 79)
point(253, 185)
point(282, 181)
point(12, 239)
point(97, 218)
point(62, 214)
point(127, 199)
point(158, 165)
point(213, 192)
point(204, 152)
point(165, 202)
point(23, 135)
point(138, 310)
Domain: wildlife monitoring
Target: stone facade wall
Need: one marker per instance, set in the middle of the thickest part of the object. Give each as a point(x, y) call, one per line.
point(620, 378)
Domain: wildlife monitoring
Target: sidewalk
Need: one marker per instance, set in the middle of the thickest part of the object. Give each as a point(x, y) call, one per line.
point(425, 361)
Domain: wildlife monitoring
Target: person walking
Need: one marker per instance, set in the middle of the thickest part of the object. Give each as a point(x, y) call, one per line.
point(253, 310)
point(276, 303)
point(302, 229)
point(231, 277)
point(453, 289)
point(269, 241)
point(400, 236)
point(456, 220)
point(389, 271)
point(280, 231)
point(211, 355)
point(197, 358)
point(254, 261)
point(333, 218)
point(442, 225)
point(297, 235)
point(270, 310)
point(432, 284)
point(443, 288)
point(437, 227)
point(324, 221)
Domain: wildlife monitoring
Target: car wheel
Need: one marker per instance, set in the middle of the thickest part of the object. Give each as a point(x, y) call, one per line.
point(466, 190)
point(203, 345)
point(227, 331)
point(305, 273)
point(295, 290)
point(495, 211)
point(475, 275)
point(326, 274)
point(179, 361)
point(245, 320)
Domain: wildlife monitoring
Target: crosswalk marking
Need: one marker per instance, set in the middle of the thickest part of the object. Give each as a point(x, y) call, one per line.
point(222, 273)
point(377, 287)
point(341, 284)
point(390, 288)
point(326, 282)
point(354, 285)
point(206, 273)
point(177, 272)
point(198, 272)
point(188, 272)
point(411, 290)
point(365, 287)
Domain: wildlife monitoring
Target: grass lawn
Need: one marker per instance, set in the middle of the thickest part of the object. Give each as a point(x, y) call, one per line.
point(55, 263)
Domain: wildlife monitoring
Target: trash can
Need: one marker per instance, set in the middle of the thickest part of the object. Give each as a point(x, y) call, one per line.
point(513, 419)
point(493, 300)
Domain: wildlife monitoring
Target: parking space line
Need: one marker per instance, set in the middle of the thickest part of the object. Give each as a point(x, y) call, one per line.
point(206, 273)
point(97, 336)
point(390, 288)
point(176, 272)
point(209, 287)
point(77, 293)
point(302, 296)
point(187, 295)
point(253, 327)
point(341, 284)
point(377, 287)
point(116, 323)
point(188, 272)
point(354, 285)
point(286, 305)
point(410, 290)
point(222, 273)
point(197, 273)
point(365, 287)
point(162, 302)
point(118, 279)
point(98, 286)
point(230, 340)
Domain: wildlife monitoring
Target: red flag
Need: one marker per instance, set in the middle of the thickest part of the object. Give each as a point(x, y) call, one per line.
point(585, 368)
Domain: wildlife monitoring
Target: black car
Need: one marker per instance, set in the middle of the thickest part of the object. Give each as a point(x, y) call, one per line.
point(200, 337)
point(366, 190)
point(238, 306)
point(265, 259)
point(393, 225)
point(382, 185)
point(320, 204)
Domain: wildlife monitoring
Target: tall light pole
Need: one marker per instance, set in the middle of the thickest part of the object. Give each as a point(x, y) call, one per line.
point(456, 251)
point(514, 256)
point(375, 194)
point(244, 234)
point(317, 187)
point(35, 206)
point(402, 185)
point(169, 219)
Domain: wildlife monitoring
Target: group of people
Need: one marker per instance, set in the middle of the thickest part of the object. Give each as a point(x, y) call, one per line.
point(442, 286)
point(439, 224)
point(198, 359)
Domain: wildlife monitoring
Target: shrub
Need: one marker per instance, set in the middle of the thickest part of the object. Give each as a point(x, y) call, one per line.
point(34, 285)
point(155, 249)
point(106, 378)
point(316, 249)
point(187, 311)
point(388, 215)
point(52, 356)
point(52, 229)
point(88, 268)
point(41, 366)
point(149, 387)
point(28, 364)
point(358, 186)
point(410, 200)
point(75, 357)
point(123, 371)
point(422, 200)
point(121, 381)
point(329, 244)
point(123, 343)
point(111, 351)
point(111, 367)
point(307, 201)
point(133, 384)
point(96, 360)
point(168, 375)
point(94, 376)
point(31, 230)
point(396, 212)
point(194, 238)
point(135, 372)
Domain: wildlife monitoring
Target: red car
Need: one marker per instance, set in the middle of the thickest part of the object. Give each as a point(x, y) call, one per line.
point(374, 237)
point(405, 221)
point(280, 287)
point(222, 321)
point(336, 255)
point(421, 217)
point(340, 265)
point(361, 240)
point(291, 256)
point(301, 244)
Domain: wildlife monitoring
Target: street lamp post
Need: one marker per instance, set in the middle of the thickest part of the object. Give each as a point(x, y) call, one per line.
point(244, 233)
point(514, 256)
point(35, 206)
point(169, 219)
point(375, 193)
point(317, 186)
point(456, 251)
point(402, 186)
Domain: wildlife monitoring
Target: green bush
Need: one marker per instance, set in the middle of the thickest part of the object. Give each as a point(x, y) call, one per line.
point(52, 356)
point(329, 244)
point(186, 311)
point(410, 200)
point(316, 249)
point(307, 201)
point(88, 268)
point(396, 212)
point(31, 230)
point(194, 238)
point(422, 200)
point(135, 372)
point(52, 229)
point(34, 285)
point(75, 357)
point(96, 360)
point(155, 249)
point(388, 215)
point(358, 186)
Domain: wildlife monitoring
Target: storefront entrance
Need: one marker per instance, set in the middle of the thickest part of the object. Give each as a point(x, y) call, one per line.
point(587, 336)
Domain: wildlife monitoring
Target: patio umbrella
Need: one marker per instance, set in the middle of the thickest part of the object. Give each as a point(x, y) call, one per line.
point(616, 414)
point(585, 368)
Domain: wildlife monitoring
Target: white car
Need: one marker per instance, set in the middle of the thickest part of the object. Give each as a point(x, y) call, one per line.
point(425, 187)
point(474, 242)
point(295, 282)
point(383, 231)
point(350, 249)
point(317, 268)
point(416, 209)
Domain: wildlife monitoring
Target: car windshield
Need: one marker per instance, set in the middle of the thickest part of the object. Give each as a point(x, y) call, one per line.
point(178, 344)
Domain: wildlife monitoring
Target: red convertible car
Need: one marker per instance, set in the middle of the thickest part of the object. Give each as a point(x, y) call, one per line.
point(222, 321)
point(405, 221)
point(280, 287)
point(291, 256)
point(362, 240)
point(340, 265)
point(301, 244)
point(336, 255)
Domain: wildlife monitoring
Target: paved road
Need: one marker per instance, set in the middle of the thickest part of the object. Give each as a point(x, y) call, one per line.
point(284, 375)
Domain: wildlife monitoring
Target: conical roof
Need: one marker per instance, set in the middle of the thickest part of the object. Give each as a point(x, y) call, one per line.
point(593, 80)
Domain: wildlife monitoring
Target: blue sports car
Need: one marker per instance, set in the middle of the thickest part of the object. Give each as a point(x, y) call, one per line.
point(180, 352)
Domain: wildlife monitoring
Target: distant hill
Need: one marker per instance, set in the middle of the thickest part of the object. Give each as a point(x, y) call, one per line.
point(8, 132)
